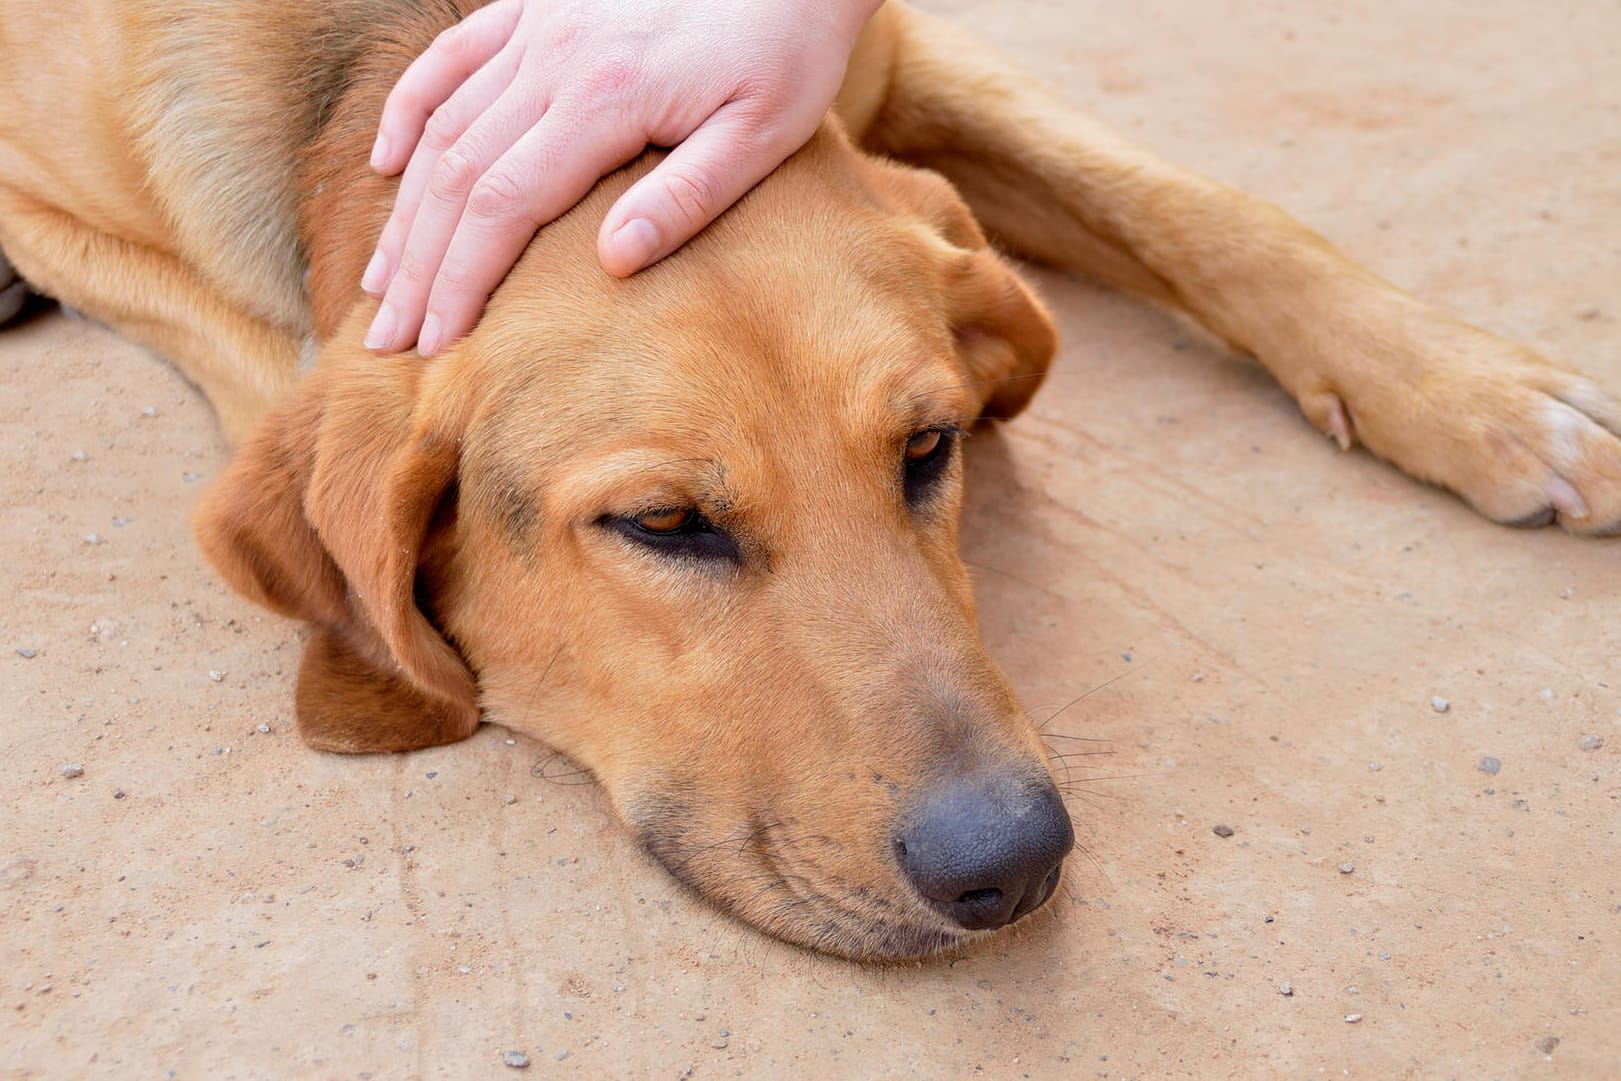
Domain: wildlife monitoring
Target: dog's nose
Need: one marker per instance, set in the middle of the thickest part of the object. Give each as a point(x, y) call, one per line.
point(986, 849)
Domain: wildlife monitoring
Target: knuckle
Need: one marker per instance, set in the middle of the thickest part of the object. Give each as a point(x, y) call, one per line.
point(692, 194)
point(454, 42)
point(453, 278)
point(611, 75)
point(496, 195)
point(455, 173)
point(415, 272)
point(442, 129)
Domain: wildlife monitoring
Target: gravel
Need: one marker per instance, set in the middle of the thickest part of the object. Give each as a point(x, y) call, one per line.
point(1347, 868)
point(1439, 704)
point(1547, 1044)
point(25, 653)
point(1488, 764)
point(71, 770)
point(1222, 831)
point(1590, 743)
point(1352, 1018)
point(1287, 990)
point(516, 1059)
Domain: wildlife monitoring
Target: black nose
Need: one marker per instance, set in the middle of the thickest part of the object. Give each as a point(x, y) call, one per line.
point(987, 849)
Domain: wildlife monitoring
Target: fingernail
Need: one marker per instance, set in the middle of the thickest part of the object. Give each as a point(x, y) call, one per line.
point(635, 242)
point(379, 152)
point(383, 328)
point(428, 337)
point(375, 280)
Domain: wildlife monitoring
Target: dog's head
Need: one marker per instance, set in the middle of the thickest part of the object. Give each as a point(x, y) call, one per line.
point(697, 530)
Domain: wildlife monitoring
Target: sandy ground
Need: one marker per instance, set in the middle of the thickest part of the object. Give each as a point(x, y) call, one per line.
point(209, 900)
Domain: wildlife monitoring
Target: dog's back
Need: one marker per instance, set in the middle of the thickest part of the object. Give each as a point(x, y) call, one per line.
point(199, 131)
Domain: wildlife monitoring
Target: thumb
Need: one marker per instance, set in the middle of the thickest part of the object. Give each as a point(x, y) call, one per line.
point(700, 179)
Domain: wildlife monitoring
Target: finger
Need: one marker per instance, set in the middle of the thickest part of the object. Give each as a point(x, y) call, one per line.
point(449, 123)
point(702, 177)
point(544, 174)
point(434, 76)
point(399, 319)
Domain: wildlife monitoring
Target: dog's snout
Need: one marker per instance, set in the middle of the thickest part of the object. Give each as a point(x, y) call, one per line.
point(986, 849)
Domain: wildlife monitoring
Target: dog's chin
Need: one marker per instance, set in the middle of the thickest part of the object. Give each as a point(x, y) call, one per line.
point(790, 909)
point(769, 877)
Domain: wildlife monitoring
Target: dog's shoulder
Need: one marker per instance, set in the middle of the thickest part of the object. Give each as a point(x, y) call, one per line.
point(225, 101)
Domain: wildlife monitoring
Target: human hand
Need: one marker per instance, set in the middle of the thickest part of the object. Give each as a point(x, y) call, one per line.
point(512, 115)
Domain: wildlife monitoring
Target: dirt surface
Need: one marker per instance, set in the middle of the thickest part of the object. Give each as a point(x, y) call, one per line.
point(211, 900)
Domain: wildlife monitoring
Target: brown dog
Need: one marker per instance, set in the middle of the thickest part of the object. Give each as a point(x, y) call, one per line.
point(697, 529)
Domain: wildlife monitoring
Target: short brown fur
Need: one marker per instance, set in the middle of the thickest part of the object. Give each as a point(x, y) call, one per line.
point(446, 530)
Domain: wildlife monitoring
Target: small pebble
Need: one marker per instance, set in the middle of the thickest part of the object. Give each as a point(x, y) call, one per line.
point(1375, 766)
point(215, 675)
point(718, 1043)
point(79, 456)
point(26, 654)
point(261, 728)
point(1347, 868)
point(1384, 955)
point(1547, 694)
point(150, 411)
point(92, 538)
point(1590, 743)
point(1352, 1018)
point(1198, 677)
point(1439, 704)
point(1222, 831)
point(1286, 989)
point(1547, 1044)
point(510, 799)
point(118, 793)
point(1488, 764)
point(71, 770)
point(516, 1059)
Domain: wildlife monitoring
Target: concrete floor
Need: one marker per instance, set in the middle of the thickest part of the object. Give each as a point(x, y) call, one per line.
point(210, 901)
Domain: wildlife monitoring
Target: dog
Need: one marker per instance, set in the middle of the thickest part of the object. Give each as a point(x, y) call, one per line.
point(697, 529)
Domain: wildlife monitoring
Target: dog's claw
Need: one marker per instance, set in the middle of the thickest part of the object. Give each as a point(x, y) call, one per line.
point(1565, 499)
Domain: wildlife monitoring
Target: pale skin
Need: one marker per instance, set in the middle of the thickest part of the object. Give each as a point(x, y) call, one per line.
point(512, 115)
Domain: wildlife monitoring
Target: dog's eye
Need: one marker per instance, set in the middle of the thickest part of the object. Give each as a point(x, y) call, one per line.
point(923, 444)
point(678, 532)
point(927, 455)
point(663, 522)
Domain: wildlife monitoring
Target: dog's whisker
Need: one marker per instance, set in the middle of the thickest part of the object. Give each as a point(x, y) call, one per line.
point(1014, 577)
point(1088, 693)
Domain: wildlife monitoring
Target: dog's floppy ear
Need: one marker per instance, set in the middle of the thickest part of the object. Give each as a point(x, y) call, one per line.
point(323, 516)
point(1005, 338)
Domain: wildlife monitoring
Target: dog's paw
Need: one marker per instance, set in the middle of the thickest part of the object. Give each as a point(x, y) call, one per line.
point(1524, 440)
point(13, 290)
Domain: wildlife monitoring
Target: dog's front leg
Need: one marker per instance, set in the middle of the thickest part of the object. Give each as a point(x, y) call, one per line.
point(1521, 438)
